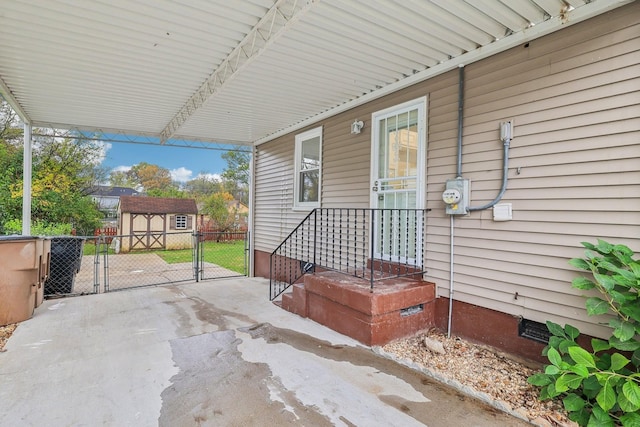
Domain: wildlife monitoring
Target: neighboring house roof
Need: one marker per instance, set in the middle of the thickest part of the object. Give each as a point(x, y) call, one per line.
point(109, 191)
point(157, 205)
point(239, 206)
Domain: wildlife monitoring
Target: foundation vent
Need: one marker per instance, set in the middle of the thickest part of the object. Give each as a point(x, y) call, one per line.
point(415, 309)
point(534, 331)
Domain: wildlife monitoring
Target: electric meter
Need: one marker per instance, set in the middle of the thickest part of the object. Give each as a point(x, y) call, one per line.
point(456, 196)
point(451, 196)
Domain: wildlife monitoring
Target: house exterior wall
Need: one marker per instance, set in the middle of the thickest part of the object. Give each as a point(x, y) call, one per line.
point(574, 168)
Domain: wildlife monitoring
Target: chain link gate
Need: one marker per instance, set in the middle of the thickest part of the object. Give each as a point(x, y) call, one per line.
point(66, 264)
point(221, 254)
point(94, 264)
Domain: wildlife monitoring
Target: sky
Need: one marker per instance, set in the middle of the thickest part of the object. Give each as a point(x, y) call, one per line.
point(184, 163)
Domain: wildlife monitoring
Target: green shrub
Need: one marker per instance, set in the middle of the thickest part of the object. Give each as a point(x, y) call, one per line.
point(600, 386)
point(14, 226)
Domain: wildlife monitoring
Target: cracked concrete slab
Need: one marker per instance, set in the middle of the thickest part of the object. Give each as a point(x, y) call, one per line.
point(212, 353)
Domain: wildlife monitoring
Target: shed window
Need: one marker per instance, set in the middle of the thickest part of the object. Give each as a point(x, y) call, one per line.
point(181, 222)
point(308, 167)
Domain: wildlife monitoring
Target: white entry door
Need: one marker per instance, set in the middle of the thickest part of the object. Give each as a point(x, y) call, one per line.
point(398, 179)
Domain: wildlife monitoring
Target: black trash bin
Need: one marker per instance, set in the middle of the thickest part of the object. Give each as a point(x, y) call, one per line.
point(66, 259)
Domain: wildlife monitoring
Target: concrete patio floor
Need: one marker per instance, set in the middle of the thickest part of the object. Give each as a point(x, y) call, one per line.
point(213, 353)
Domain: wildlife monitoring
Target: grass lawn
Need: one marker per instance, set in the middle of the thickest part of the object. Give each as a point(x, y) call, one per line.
point(229, 255)
point(89, 248)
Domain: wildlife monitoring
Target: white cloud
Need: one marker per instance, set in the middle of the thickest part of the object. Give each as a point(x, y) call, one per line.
point(122, 168)
point(104, 147)
point(181, 174)
point(210, 176)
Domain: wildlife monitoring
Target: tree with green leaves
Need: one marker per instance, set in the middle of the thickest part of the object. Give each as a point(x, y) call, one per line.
point(216, 207)
point(10, 173)
point(203, 186)
point(64, 172)
point(152, 177)
point(118, 178)
point(10, 126)
point(236, 175)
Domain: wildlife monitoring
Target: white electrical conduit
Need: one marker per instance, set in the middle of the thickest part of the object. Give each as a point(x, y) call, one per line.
point(450, 277)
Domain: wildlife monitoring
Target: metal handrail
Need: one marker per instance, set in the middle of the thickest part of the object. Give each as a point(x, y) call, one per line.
point(371, 244)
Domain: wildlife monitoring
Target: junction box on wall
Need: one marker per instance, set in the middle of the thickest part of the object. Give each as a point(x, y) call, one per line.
point(456, 196)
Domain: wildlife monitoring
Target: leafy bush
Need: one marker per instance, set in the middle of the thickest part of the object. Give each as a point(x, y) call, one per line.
point(600, 387)
point(14, 226)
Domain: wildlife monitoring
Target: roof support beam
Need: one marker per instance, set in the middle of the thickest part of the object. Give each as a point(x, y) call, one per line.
point(8, 96)
point(59, 130)
point(274, 23)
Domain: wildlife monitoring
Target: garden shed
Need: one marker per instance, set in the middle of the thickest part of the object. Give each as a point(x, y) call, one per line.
point(156, 222)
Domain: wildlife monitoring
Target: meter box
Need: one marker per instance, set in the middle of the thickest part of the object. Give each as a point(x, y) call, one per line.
point(456, 196)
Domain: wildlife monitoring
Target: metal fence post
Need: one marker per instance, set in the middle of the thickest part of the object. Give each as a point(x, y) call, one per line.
point(196, 263)
point(105, 255)
point(247, 253)
point(96, 266)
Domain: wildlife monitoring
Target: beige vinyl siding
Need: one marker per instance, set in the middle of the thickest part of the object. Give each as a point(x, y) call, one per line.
point(346, 163)
point(274, 218)
point(574, 99)
point(574, 167)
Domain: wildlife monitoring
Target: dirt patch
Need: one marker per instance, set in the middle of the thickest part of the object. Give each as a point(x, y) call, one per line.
point(5, 334)
point(482, 369)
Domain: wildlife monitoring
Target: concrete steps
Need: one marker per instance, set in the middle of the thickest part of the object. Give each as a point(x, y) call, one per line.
point(396, 308)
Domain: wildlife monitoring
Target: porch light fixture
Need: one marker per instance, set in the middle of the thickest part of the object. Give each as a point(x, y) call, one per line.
point(356, 126)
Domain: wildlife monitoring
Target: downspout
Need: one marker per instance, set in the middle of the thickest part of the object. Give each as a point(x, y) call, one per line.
point(26, 180)
point(458, 175)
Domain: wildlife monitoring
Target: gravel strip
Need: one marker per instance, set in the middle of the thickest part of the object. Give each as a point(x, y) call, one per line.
point(480, 371)
point(5, 333)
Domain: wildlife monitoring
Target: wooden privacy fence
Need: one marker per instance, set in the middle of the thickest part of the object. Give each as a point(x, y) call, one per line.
point(109, 232)
point(210, 233)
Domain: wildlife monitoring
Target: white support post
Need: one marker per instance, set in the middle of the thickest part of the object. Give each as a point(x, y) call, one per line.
point(252, 206)
point(26, 181)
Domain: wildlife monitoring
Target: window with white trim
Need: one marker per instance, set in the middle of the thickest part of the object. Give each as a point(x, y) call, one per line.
point(308, 169)
point(181, 222)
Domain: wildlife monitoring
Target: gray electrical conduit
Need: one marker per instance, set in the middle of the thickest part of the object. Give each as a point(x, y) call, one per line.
point(505, 175)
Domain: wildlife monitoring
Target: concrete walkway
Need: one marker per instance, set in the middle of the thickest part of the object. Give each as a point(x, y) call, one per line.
point(214, 353)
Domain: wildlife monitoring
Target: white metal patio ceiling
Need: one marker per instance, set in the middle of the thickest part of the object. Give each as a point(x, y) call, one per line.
point(231, 71)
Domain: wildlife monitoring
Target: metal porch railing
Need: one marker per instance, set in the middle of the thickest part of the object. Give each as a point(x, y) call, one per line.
point(372, 244)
